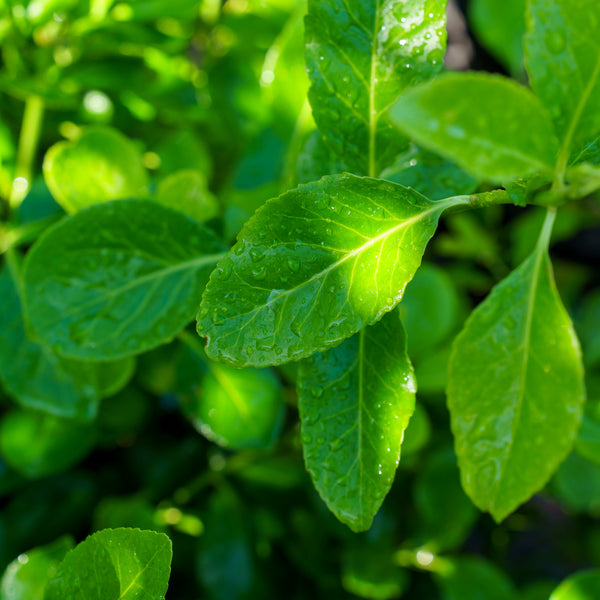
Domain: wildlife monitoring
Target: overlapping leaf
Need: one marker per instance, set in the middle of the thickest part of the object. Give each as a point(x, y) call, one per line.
point(515, 389)
point(490, 126)
point(361, 56)
point(562, 55)
point(313, 267)
point(117, 279)
point(355, 401)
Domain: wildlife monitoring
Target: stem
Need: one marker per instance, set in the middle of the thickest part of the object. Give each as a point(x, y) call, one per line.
point(543, 242)
point(28, 144)
point(470, 201)
point(422, 559)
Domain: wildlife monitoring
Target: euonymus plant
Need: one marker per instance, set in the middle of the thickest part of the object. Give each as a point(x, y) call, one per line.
point(315, 279)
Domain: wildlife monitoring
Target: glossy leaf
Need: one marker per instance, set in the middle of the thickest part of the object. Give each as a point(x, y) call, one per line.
point(101, 165)
point(313, 267)
point(117, 279)
point(235, 408)
point(563, 62)
point(360, 57)
point(124, 564)
point(36, 444)
point(583, 585)
point(515, 389)
point(34, 375)
point(355, 401)
point(490, 126)
point(26, 577)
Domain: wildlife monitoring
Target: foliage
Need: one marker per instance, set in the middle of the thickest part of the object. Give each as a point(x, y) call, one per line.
point(359, 235)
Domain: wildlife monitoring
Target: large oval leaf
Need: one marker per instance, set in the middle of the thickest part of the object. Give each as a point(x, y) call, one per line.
point(515, 389)
point(117, 279)
point(313, 267)
point(360, 56)
point(355, 401)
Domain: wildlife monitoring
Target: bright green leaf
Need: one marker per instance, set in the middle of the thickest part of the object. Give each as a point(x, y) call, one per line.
point(101, 165)
point(117, 279)
point(583, 585)
point(37, 444)
point(489, 125)
point(26, 577)
point(355, 401)
point(515, 389)
point(562, 57)
point(315, 266)
point(360, 56)
point(115, 564)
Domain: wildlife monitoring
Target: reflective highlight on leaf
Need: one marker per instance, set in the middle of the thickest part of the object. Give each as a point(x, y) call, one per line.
point(355, 401)
point(583, 585)
point(117, 278)
point(313, 267)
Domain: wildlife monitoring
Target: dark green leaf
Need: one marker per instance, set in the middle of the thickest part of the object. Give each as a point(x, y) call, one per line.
point(360, 56)
point(101, 165)
point(36, 444)
point(492, 127)
point(577, 484)
point(355, 401)
point(119, 564)
point(26, 577)
point(588, 438)
point(314, 266)
point(117, 279)
point(563, 61)
point(583, 585)
point(515, 389)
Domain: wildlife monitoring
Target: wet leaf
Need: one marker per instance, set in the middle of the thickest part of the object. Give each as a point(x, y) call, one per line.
point(492, 127)
point(124, 564)
point(101, 165)
point(360, 57)
point(515, 389)
point(313, 267)
point(355, 401)
point(117, 279)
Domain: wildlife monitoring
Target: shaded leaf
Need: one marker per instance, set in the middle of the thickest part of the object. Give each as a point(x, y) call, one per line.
point(515, 389)
point(117, 279)
point(355, 401)
point(360, 56)
point(124, 564)
point(314, 266)
point(492, 127)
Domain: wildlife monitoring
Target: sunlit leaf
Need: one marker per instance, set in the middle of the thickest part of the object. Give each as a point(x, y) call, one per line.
point(583, 585)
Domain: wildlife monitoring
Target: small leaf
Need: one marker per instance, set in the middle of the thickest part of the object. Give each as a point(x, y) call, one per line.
point(492, 127)
point(360, 56)
point(515, 389)
point(117, 279)
point(101, 165)
point(313, 267)
point(124, 564)
point(583, 585)
point(26, 577)
point(562, 57)
point(355, 402)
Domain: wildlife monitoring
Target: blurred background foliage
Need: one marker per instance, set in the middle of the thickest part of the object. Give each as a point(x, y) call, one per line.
point(206, 101)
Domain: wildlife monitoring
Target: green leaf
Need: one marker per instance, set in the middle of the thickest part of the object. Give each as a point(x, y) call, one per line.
point(235, 408)
point(101, 165)
point(515, 389)
point(36, 444)
point(360, 56)
point(35, 376)
point(115, 564)
point(577, 484)
point(500, 27)
point(492, 127)
point(355, 402)
point(186, 192)
point(313, 267)
point(588, 438)
point(583, 585)
point(26, 577)
point(117, 279)
point(562, 57)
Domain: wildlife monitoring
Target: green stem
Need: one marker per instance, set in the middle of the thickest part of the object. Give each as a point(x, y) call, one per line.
point(422, 559)
point(28, 144)
point(543, 242)
point(467, 202)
